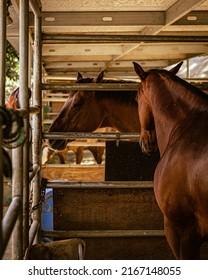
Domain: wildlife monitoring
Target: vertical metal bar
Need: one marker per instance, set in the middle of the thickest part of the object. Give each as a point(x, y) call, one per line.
point(1, 191)
point(187, 68)
point(10, 219)
point(24, 102)
point(37, 119)
point(21, 161)
point(17, 190)
point(3, 6)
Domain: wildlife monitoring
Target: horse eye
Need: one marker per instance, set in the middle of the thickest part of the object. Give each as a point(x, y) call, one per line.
point(78, 104)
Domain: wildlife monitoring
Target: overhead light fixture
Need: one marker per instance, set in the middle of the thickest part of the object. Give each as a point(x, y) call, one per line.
point(49, 19)
point(192, 18)
point(107, 18)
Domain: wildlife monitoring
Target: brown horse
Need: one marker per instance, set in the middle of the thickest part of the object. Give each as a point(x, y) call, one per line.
point(90, 110)
point(48, 154)
point(173, 115)
point(13, 101)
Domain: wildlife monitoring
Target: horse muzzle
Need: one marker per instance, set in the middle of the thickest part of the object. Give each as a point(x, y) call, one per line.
point(57, 144)
point(148, 142)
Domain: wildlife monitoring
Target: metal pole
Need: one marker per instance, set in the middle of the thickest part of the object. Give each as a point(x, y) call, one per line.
point(3, 13)
point(33, 231)
point(109, 86)
point(37, 120)
point(17, 190)
point(80, 39)
point(21, 161)
point(24, 102)
point(103, 233)
point(89, 87)
point(1, 190)
point(10, 219)
point(3, 6)
point(117, 136)
point(100, 185)
point(35, 8)
point(187, 68)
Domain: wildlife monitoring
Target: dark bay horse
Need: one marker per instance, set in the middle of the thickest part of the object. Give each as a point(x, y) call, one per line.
point(174, 115)
point(86, 111)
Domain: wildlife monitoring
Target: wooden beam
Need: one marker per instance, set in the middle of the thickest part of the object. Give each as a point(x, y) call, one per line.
point(116, 50)
point(193, 18)
point(100, 18)
point(143, 18)
point(181, 8)
point(99, 64)
point(174, 13)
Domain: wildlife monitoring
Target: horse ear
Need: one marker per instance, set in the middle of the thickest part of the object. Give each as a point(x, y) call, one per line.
point(175, 69)
point(79, 76)
point(140, 72)
point(100, 77)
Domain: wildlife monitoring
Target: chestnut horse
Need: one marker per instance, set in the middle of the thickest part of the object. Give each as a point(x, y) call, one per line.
point(13, 101)
point(90, 110)
point(173, 115)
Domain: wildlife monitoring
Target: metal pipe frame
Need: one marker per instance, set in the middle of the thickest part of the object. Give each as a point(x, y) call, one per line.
point(17, 190)
point(35, 7)
point(99, 185)
point(117, 136)
point(1, 190)
point(9, 220)
point(3, 14)
point(103, 233)
point(36, 168)
point(33, 231)
point(37, 121)
point(80, 39)
point(91, 86)
point(105, 87)
point(20, 180)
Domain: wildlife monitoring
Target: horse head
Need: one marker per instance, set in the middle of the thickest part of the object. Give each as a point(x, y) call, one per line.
point(13, 101)
point(148, 139)
point(79, 113)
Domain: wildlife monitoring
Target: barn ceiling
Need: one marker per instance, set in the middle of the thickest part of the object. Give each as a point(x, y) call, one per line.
point(91, 35)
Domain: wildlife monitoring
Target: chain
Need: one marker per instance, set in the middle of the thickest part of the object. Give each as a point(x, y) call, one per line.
point(42, 197)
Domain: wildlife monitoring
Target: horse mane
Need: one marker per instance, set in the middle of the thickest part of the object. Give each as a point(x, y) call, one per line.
point(191, 96)
point(125, 97)
point(14, 92)
point(84, 81)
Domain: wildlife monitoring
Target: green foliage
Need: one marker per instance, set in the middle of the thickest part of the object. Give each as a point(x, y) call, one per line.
point(12, 68)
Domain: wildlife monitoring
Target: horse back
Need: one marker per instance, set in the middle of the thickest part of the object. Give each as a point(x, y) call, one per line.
point(181, 177)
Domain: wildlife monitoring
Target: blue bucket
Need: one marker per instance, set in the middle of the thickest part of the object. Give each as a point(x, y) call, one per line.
point(47, 214)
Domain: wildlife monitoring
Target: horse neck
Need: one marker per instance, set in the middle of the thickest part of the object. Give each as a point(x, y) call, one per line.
point(168, 112)
point(173, 101)
point(120, 114)
point(11, 103)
